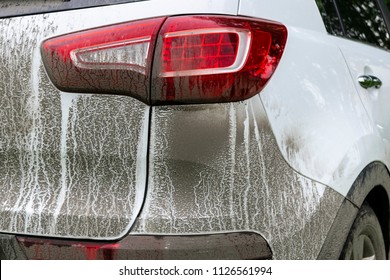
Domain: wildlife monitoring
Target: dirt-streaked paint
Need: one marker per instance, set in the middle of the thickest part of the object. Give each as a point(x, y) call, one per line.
point(217, 168)
point(76, 167)
point(71, 165)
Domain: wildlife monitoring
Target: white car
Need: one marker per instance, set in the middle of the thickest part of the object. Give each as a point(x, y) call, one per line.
point(208, 129)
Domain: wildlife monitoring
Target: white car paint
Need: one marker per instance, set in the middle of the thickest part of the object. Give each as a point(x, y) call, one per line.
point(326, 128)
point(317, 116)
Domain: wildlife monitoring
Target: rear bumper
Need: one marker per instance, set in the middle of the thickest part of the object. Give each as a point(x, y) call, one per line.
point(218, 246)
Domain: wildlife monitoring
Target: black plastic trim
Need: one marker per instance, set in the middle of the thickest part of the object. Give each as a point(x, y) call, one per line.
point(239, 245)
point(338, 232)
point(385, 13)
point(374, 179)
point(375, 174)
point(10, 249)
point(339, 17)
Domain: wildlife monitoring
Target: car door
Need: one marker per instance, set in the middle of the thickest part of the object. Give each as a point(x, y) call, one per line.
point(365, 44)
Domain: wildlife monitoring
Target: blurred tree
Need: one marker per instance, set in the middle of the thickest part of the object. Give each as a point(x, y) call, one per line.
point(363, 21)
point(387, 2)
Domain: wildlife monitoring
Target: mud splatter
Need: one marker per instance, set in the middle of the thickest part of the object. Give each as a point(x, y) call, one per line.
point(265, 195)
point(71, 165)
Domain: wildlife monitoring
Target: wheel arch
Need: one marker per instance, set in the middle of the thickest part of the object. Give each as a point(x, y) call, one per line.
point(372, 185)
point(378, 199)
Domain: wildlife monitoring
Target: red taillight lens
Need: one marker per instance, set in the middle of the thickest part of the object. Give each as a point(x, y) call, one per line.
point(197, 59)
point(214, 59)
point(112, 59)
point(209, 52)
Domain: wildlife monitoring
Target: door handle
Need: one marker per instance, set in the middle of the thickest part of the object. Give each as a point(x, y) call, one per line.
point(368, 81)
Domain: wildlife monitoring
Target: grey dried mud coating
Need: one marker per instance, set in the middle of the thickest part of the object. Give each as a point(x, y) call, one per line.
point(74, 165)
point(10, 249)
point(21, 7)
point(217, 168)
point(70, 165)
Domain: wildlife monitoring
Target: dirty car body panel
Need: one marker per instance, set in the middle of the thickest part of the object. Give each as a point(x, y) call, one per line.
point(122, 177)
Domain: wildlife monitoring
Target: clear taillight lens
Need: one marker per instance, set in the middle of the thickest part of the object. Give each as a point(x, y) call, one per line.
point(197, 59)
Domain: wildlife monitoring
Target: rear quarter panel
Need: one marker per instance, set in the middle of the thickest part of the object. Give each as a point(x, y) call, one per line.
point(316, 114)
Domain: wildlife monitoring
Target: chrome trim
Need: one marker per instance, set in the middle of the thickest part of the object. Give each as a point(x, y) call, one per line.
point(368, 81)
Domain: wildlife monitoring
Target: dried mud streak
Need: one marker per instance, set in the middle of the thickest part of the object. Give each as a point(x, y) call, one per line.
point(65, 170)
point(192, 148)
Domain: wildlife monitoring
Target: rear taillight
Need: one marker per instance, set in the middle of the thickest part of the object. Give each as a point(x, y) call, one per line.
point(185, 59)
point(112, 59)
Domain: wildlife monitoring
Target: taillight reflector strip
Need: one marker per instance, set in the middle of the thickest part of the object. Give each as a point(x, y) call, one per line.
point(126, 54)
